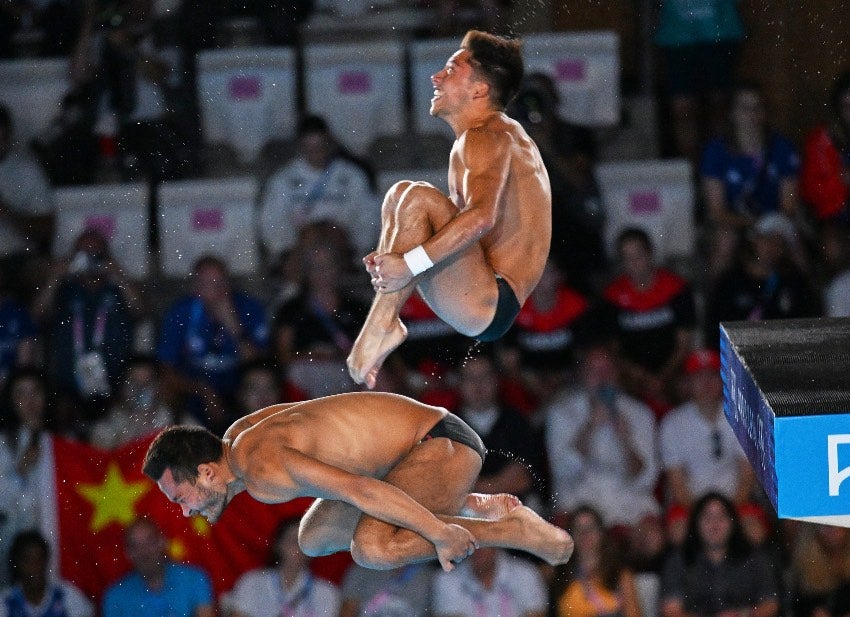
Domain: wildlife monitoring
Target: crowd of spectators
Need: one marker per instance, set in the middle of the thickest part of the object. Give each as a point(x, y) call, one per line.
point(601, 408)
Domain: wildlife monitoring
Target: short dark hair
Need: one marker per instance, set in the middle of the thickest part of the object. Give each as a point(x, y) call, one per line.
point(22, 541)
point(209, 260)
point(635, 233)
point(275, 558)
point(498, 61)
point(312, 123)
point(181, 449)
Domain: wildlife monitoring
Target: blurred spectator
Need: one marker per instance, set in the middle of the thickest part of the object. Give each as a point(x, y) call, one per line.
point(836, 264)
point(821, 571)
point(766, 284)
point(138, 409)
point(699, 450)
point(315, 330)
point(204, 337)
point(87, 310)
point(387, 593)
point(262, 385)
point(569, 153)
point(647, 549)
point(717, 573)
point(676, 526)
point(26, 208)
point(755, 524)
point(432, 346)
point(140, 81)
point(549, 327)
point(748, 172)
point(18, 342)
point(34, 591)
point(24, 454)
point(595, 582)
point(701, 44)
point(68, 148)
point(318, 184)
point(654, 318)
point(514, 462)
point(647, 546)
point(157, 585)
point(825, 171)
point(490, 582)
point(288, 270)
point(287, 587)
point(760, 529)
point(601, 445)
point(45, 28)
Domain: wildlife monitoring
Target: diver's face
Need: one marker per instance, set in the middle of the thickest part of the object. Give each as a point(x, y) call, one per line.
point(452, 84)
point(202, 497)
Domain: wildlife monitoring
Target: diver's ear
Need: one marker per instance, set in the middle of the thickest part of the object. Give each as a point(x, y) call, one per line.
point(480, 89)
point(207, 472)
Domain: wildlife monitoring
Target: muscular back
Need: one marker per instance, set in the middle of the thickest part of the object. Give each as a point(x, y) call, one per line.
point(518, 243)
point(363, 432)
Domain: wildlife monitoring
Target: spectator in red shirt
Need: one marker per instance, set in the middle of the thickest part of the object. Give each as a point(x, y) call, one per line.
point(653, 318)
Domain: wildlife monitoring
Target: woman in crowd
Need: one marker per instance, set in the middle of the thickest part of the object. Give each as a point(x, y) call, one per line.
point(749, 171)
point(717, 573)
point(24, 466)
point(595, 582)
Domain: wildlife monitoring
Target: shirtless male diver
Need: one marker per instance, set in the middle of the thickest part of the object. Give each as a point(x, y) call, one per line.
point(392, 477)
point(476, 254)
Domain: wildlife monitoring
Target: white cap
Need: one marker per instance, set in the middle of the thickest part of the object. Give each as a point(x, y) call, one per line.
point(776, 224)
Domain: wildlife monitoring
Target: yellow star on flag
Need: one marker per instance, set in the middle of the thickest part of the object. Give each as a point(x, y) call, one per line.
point(114, 499)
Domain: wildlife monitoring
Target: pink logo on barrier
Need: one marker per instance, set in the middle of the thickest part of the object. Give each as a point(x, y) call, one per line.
point(571, 69)
point(354, 82)
point(244, 88)
point(644, 202)
point(104, 225)
point(205, 220)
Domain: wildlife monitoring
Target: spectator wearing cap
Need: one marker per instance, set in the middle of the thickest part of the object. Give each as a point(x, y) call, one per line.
point(699, 450)
point(768, 283)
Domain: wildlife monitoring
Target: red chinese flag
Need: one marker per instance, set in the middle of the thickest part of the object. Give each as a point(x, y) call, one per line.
point(99, 493)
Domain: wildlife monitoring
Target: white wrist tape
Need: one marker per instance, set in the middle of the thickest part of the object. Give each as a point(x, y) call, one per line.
point(417, 260)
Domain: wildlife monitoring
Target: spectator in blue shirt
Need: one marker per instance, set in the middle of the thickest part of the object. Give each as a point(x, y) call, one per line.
point(17, 333)
point(749, 171)
point(157, 586)
point(205, 336)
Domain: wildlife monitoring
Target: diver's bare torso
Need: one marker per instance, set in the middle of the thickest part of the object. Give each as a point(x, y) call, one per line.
point(365, 433)
point(518, 244)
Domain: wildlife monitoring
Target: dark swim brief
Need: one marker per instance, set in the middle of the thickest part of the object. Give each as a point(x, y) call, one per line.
point(457, 430)
point(507, 308)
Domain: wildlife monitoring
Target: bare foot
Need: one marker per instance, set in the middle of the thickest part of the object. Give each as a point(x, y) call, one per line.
point(548, 542)
point(371, 349)
point(490, 507)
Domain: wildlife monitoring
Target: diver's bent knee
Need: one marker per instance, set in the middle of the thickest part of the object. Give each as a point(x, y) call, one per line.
point(406, 192)
point(370, 555)
point(312, 543)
